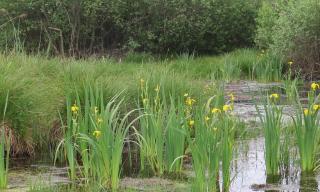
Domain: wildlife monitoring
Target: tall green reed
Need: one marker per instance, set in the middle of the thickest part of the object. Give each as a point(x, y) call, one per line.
point(271, 121)
point(290, 84)
point(152, 130)
point(228, 125)
point(267, 67)
point(4, 149)
point(306, 123)
point(211, 140)
point(162, 132)
point(204, 143)
point(96, 131)
point(175, 137)
point(228, 139)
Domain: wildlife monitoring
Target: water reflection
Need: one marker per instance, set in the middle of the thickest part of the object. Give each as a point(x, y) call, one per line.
point(248, 170)
point(308, 182)
point(273, 179)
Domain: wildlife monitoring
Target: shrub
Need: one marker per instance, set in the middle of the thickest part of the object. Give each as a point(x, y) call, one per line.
point(187, 26)
point(295, 35)
point(266, 19)
point(87, 26)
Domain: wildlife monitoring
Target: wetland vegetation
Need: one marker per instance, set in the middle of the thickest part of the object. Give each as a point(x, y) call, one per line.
point(172, 95)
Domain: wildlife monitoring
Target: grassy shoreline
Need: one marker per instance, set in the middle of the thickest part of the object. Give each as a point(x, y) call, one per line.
point(38, 85)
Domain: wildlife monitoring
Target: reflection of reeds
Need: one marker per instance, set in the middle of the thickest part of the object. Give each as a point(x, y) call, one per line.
point(308, 182)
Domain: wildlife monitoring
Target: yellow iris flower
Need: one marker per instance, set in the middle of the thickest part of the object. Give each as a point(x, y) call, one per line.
point(227, 108)
point(74, 108)
point(190, 101)
point(316, 107)
point(315, 86)
point(96, 134)
point(191, 123)
point(232, 97)
point(215, 110)
point(274, 96)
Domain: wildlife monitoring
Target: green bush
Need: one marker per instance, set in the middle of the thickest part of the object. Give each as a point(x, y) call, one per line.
point(292, 30)
point(83, 27)
point(266, 19)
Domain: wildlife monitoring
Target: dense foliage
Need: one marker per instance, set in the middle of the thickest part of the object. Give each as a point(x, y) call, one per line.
point(171, 26)
point(292, 29)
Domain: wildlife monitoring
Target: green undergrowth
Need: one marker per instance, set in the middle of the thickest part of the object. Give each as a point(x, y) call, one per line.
point(38, 85)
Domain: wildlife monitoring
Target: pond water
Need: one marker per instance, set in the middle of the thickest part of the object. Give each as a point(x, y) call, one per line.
point(250, 175)
point(248, 167)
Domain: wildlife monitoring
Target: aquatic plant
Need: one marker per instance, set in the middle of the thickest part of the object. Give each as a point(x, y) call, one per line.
point(211, 141)
point(152, 129)
point(290, 84)
point(175, 137)
point(271, 120)
point(306, 123)
point(228, 125)
point(96, 132)
point(4, 149)
point(162, 132)
point(204, 140)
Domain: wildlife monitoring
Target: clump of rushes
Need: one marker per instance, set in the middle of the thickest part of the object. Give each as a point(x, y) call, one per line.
point(271, 121)
point(212, 142)
point(4, 149)
point(307, 130)
point(162, 132)
point(96, 132)
point(290, 84)
point(175, 134)
point(151, 134)
point(204, 143)
point(228, 124)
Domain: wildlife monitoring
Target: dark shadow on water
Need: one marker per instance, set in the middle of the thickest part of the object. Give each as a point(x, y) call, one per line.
point(273, 179)
point(308, 182)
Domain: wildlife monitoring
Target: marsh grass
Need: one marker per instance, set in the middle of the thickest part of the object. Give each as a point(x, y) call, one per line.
point(240, 64)
point(211, 141)
point(162, 134)
point(205, 153)
point(151, 139)
point(39, 84)
point(175, 137)
point(96, 131)
point(291, 85)
point(4, 149)
point(287, 149)
point(271, 119)
point(228, 138)
point(306, 123)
